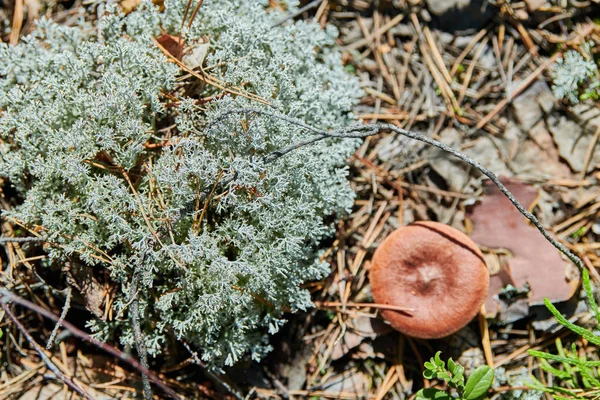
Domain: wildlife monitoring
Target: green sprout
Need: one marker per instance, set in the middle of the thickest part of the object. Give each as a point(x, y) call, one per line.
point(576, 375)
point(475, 387)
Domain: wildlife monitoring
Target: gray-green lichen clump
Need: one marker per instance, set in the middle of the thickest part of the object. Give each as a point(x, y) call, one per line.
point(113, 152)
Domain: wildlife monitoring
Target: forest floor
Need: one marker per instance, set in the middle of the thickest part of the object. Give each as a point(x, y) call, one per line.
point(417, 71)
point(479, 81)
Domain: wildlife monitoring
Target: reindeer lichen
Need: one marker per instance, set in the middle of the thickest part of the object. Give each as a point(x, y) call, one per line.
point(126, 164)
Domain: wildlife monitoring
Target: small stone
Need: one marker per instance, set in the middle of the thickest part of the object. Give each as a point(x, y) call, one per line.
point(463, 41)
point(445, 37)
point(441, 7)
point(529, 107)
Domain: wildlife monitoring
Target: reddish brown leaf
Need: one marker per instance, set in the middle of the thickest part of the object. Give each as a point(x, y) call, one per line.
point(498, 225)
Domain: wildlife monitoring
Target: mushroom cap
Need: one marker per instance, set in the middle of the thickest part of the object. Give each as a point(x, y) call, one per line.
point(435, 270)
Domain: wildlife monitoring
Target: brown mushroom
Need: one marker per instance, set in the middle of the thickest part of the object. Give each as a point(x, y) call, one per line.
point(435, 270)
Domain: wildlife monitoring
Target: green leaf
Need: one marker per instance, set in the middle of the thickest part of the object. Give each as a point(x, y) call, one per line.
point(444, 375)
point(590, 294)
point(561, 352)
point(572, 361)
point(432, 394)
point(438, 361)
point(459, 379)
point(478, 383)
point(428, 374)
point(554, 371)
point(534, 384)
point(584, 333)
point(430, 366)
point(451, 366)
point(588, 374)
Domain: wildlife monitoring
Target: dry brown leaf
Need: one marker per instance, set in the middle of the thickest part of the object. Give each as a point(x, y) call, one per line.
point(172, 44)
point(532, 260)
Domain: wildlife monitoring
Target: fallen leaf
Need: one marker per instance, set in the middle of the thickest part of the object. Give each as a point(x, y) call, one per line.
point(173, 44)
point(532, 261)
point(195, 53)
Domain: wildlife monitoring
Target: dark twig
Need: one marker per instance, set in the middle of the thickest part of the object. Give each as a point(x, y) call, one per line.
point(274, 114)
point(51, 366)
point(8, 296)
point(4, 240)
point(140, 343)
point(312, 4)
point(212, 375)
point(363, 131)
point(63, 315)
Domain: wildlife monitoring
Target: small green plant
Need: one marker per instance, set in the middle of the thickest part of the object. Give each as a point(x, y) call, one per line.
point(475, 387)
point(577, 376)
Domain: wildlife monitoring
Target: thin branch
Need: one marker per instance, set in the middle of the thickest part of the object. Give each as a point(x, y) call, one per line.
point(364, 131)
point(212, 375)
point(140, 343)
point(4, 240)
point(51, 366)
point(63, 315)
point(8, 296)
point(249, 110)
point(194, 13)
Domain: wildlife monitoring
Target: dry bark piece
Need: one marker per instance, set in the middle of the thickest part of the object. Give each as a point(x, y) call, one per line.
point(533, 261)
point(435, 270)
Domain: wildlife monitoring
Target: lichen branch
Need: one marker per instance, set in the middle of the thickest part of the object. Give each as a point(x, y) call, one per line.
point(63, 315)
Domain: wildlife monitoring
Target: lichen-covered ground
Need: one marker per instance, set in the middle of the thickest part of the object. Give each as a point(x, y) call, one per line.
point(477, 78)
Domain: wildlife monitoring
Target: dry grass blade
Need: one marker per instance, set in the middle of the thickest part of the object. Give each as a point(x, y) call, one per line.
point(470, 70)
point(193, 17)
point(17, 23)
point(147, 220)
